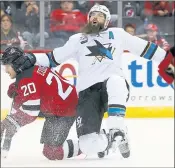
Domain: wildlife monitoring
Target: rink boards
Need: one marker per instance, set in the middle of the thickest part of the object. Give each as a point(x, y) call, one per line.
point(150, 96)
point(134, 112)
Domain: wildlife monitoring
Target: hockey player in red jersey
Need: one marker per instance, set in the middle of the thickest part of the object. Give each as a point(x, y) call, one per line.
point(39, 89)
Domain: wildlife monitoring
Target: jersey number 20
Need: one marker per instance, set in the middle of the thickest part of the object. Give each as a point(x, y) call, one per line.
point(28, 89)
point(61, 93)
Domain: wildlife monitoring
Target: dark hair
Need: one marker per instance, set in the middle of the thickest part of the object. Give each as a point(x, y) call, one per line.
point(130, 25)
point(67, 1)
point(74, 5)
point(5, 15)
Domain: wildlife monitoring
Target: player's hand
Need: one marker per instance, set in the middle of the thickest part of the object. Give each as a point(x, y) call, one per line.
point(29, 9)
point(36, 9)
point(12, 91)
point(161, 13)
point(166, 67)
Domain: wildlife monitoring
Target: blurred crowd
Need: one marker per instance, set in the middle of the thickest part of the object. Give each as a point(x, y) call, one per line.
point(20, 21)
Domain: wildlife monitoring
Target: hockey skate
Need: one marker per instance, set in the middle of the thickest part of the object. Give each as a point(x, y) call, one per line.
point(116, 139)
point(120, 140)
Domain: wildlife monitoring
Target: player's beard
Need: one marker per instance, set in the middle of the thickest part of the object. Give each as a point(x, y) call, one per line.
point(92, 29)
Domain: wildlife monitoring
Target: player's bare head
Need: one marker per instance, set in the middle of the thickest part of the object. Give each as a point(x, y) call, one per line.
point(14, 58)
point(98, 19)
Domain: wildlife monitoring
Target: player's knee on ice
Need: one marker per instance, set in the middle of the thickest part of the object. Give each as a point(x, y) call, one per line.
point(53, 152)
point(93, 143)
point(68, 149)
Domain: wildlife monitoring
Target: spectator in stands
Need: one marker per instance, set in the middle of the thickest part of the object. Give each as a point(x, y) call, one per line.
point(27, 21)
point(157, 8)
point(130, 28)
point(66, 21)
point(31, 7)
point(154, 36)
point(8, 35)
point(29, 15)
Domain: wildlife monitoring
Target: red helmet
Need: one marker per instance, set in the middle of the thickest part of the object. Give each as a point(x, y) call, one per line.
point(152, 27)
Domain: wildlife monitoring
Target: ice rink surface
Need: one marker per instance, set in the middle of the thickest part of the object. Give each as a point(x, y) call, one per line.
point(152, 145)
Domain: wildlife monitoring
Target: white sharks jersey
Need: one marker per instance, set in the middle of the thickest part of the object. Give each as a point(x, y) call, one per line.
point(99, 56)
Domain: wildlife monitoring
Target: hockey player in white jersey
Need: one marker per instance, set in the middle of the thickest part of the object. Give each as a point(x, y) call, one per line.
point(101, 83)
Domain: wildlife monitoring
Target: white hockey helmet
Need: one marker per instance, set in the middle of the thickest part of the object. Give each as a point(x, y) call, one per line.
point(103, 9)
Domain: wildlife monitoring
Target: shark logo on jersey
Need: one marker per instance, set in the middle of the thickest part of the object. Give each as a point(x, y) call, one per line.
point(100, 51)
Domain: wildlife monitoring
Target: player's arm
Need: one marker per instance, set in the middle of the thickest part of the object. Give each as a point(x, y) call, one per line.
point(28, 100)
point(26, 103)
point(151, 51)
point(59, 55)
point(142, 48)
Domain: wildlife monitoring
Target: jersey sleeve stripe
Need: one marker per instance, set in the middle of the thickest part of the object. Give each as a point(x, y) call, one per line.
point(154, 50)
point(145, 50)
point(31, 107)
point(149, 51)
point(32, 102)
point(52, 60)
point(30, 112)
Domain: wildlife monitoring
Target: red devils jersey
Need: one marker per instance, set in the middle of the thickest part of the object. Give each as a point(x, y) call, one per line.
point(43, 89)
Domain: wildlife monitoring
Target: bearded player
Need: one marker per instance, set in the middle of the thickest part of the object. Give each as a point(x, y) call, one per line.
point(101, 82)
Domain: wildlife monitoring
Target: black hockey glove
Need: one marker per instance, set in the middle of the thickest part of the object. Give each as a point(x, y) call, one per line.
point(23, 63)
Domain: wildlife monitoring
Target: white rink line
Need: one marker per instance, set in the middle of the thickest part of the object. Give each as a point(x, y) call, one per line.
point(152, 145)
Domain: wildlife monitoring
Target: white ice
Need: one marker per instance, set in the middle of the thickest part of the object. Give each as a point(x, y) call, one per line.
point(152, 145)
